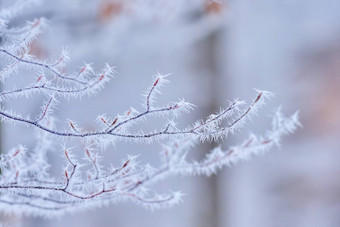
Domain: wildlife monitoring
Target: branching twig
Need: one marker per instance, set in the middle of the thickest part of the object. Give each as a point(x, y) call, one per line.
point(26, 185)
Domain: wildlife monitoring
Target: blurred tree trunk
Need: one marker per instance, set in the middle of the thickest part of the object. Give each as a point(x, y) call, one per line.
point(208, 62)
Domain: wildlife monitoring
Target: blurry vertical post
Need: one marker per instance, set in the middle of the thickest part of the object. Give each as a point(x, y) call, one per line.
point(209, 62)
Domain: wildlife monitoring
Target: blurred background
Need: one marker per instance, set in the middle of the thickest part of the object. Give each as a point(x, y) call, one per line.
point(216, 51)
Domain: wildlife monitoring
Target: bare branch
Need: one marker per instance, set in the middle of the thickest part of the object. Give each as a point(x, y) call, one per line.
point(26, 184)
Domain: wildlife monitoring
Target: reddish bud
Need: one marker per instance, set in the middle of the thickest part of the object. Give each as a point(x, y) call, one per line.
point(248, 143)
point(60, 59)
point(258, 97)
point(16, 153)
point(66, 154)
point(230, 152)
point(115, 121)
point(39, 78)
point(36, 23)
point(176, 106)
point(126, 163)
point(72, 126)
point(103, 120)
point(88, 153)
point(266, 141)
point(156, 82)
point(66, 174)
point(82, 70)
point(101, 77)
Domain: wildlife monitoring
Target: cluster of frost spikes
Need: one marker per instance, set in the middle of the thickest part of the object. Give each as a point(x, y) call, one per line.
point(26, 185)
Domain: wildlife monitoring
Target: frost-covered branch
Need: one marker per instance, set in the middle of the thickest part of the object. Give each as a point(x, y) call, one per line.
point(211, 129)
point(26, 184)
point(90, 185)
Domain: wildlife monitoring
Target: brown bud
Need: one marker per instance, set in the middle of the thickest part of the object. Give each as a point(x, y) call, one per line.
point(156, 82)
point(36, 23)
point(266, 141)
point(16, 153)
point(103, 120)
point(126, 163)
point(230, 152)
point(129, 112)
point(66, 154)
point(82, 70)
point(88, 153)
point(258, 97)
point(39, 78)
point(115, 121)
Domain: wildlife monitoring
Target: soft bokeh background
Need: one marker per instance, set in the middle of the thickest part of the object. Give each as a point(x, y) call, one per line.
point(215, 50)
